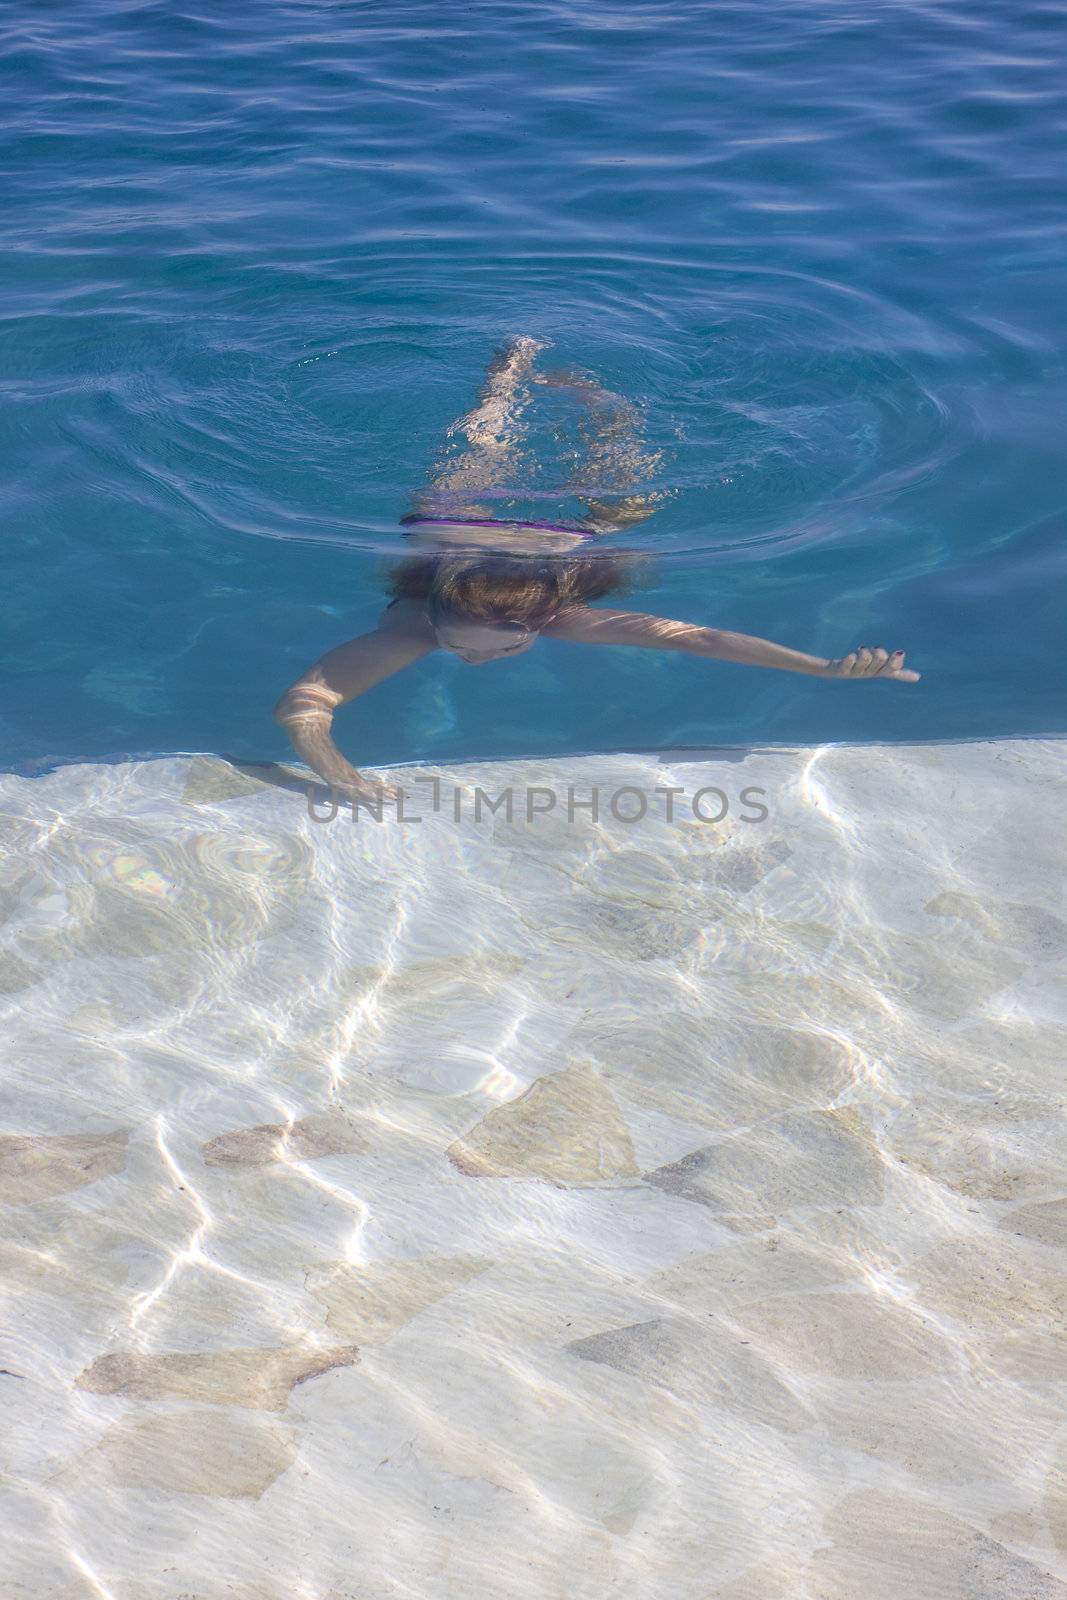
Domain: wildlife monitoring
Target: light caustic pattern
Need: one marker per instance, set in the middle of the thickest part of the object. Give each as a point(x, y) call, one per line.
point(564, 1208)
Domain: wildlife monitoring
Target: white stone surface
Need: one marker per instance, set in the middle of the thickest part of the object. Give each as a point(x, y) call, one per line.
point(561, 1210)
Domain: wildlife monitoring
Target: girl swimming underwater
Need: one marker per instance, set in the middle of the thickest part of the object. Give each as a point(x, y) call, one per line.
point(484, 587)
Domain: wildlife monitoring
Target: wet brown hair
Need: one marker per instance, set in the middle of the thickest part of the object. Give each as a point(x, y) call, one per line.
point(530, 590)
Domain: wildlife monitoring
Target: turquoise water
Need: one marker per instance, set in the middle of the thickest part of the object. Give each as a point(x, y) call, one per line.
point(254, 262)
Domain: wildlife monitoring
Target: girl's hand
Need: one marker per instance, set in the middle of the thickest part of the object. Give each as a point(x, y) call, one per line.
point(368, 791)
point(868, 663)
point(348, 785)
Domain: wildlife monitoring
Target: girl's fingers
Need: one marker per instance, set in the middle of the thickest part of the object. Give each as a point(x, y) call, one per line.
point(895, 669)
point(868, 662)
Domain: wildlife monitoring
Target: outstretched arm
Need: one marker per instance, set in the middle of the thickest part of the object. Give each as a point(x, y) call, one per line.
point(306, 709)
point(591, 625)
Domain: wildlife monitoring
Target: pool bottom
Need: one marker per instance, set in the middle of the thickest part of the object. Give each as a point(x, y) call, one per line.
point(667, 1200)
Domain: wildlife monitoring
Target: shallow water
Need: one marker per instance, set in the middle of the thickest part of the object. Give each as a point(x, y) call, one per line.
point(254, 261)
point(538, 1211)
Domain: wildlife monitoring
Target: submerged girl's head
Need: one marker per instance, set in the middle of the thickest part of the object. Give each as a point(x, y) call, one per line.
point(488, 606)
point(476, 642)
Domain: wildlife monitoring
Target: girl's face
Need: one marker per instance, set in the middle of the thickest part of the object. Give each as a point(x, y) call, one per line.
point(477, 642)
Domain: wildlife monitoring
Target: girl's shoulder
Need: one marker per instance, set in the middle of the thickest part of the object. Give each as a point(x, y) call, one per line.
point(405, 616)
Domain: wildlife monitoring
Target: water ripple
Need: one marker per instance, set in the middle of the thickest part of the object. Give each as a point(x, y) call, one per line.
point(255, 264)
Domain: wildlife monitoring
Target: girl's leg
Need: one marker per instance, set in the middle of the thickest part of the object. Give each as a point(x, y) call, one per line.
point(617, 459)
point(493, 432)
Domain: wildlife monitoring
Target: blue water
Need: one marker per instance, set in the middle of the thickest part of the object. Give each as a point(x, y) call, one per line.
point(254, 260)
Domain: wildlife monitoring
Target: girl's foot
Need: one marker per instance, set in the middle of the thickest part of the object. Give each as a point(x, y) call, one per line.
point(605, 516)
point(513, 361)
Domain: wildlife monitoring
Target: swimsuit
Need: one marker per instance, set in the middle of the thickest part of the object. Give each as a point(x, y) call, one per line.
point(520, 526)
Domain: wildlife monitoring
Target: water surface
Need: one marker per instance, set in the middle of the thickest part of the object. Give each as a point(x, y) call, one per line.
point(254, 261)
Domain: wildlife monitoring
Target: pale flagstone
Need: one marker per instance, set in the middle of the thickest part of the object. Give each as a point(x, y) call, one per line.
point(95, 1017)
point(756, 1223)
point(741, 947)
point(933, 976)
point(895, 1547)
point(768, 1580)
point(18, 838)
point(710, 1071)
point(1046, 1222)
point(1023, 1055)
point(767, 1264)
point(639, 875)
point(42, 1273)
point(549, 830)
point(846, 1333)
point(992, 1283)
point(298, 1207)
point(1056, 1498)
point(683, 880)
point(16, 974)
point(882, 1240)
point(506, 1420)
point(558, 979)
point(741, 868)
point(370, 1303)
point(554, 1567)
point(702, 1363)
point(174, 1583)
point(991, 1163)
point(816, 1158)
point(1001, 1108)
point(945, 1433)
point(1025, 928)
point(1021, 1527)
point(37, 1166)
point(96, 1256)
point(566, 1129)
point(331, 1133)
point(257, 1379)
point(589, 1468)
point(545, 1294)
point(207, 1309)
point(208, 778)
point(84, 1287)
point(1026, 1356)
point(195, 1452)
point(624, 932)
point(433, 976)
point(794, 998)
point(164, 1587)
point(151, 892)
